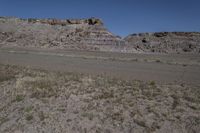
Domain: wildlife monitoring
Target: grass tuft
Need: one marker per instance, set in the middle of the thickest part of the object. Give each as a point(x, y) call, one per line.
point(29, 117)
point(19, 98)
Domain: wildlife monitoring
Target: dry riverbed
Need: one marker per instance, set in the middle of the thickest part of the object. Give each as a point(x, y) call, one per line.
point(37, 101)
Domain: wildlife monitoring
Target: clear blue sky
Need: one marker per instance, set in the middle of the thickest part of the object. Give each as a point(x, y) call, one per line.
point(121, 17)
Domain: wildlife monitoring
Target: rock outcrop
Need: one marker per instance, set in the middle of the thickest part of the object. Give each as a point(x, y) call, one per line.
point(81, 34)
point(90, 21)
point(165, 42)
point(90, 34)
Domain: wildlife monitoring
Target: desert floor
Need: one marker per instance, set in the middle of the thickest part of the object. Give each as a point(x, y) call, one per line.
point(76, 91)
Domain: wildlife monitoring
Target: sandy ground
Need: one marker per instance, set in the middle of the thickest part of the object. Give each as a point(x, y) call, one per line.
point(170, 68)
point(37, 101)
point(52, 91)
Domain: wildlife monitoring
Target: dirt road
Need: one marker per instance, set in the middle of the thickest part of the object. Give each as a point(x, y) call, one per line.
point(77, 62)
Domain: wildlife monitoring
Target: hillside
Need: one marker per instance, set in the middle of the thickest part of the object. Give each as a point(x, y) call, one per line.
point(81, 34)
point(165, 42)
point(90, 34)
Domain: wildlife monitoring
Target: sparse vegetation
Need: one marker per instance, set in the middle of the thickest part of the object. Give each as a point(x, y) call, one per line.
point(29, 109)
point(5, 77)
point(3, 120)
point(175, 101)
point(152, 83)
point(90, 116)
point(78, 100)
point(29, 117)
point(41, 115)
point(19, 98)
point(158, 61)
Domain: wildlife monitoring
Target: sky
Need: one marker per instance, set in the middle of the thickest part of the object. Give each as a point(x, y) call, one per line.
point(121, 17)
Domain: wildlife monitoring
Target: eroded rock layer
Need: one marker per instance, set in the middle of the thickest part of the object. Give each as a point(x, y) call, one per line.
point(165, 42)
point(90, 34)
point(82, 34)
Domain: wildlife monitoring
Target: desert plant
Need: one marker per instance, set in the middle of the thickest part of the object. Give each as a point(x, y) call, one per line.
point(158, 60)
point(3, 120)
point(6, 77)
point(19, 98)
point(29, 117)
point(152, 83)
point(29, 109)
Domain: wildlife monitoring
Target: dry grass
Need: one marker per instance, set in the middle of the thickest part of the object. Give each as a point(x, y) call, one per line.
point(29, 117)
point(6, 75)
point(19, 98)
point(3, 120)
point(79, 101)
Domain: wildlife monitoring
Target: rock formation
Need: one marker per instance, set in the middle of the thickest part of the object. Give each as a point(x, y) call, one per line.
point(165, 42)
point(82, 34)
point(90, 34)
